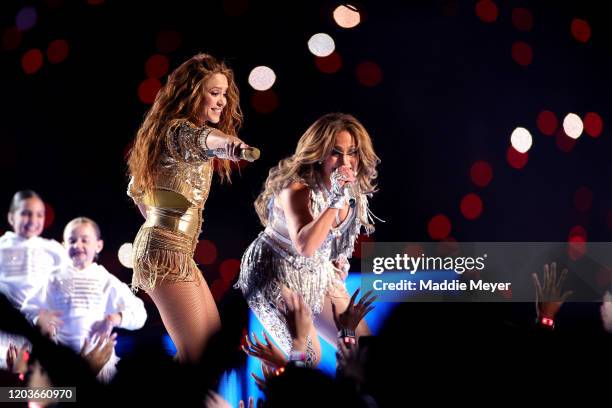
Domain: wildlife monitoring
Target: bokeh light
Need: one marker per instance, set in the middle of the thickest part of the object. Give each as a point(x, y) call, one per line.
point(572, 125)
point(57, 51)
point(593, 124)
point(125, 255)
point(31, 61)
point(229, 269)
point(330, 64)
point(262, 78)
point(521, 140)
point(147, 90)
point(581, 30)
point(363, 251)
point(205, 252)
point(11, 38)
point(439, 227)
point(321, 45)
point(168, 41)
point(583, 199)
point(481, 173)
point(577, 230)
point(516, 159)
point(157, 66)
point(471, 206)
point(564, 142)
point(522, 19)
point(26, 18)
point(522, 53)
point(264, 101)
point(235, 8)
point(487, 11)
point(368, 73)
point(347, 16)
point(49, 216)
point(547, 122)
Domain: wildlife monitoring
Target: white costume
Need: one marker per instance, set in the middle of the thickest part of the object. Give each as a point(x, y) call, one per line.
point(85, 297)
point(25, 266)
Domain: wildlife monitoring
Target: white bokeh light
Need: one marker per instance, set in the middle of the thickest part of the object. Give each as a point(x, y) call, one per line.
point(521, 140)
point(347, 16)
point(572, 125)
point(125, 255)
point(321, 45)
point(262, 78)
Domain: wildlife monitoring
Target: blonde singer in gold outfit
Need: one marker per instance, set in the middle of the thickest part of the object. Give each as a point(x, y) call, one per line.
point(195, 111)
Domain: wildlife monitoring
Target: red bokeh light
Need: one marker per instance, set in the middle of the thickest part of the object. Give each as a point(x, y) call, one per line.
point(564, 142)
point(481, 173)
point(522, 53)
point(593, 124)
point(487, 11)
point(49, 215)
point(157, 66)
point(264, 101)
point(229, 269)
point(576, 247)
point(368, 73)
point(218, 289)
point(577, 230)
point(235, 8)
point(547, 122)
point(581, 30)
point(516, 159)
point(168, 41)
point(448, 247)
point(471, 206)
point(439, 227)
point(32, 61)
point(57, 51)
point(147, 90)
point(11, 38)
point(583, 199)
point(330, 64)
point(205, 252)
point(522, 19)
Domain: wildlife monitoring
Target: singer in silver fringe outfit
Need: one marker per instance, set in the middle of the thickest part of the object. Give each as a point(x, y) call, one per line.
point(311, 228)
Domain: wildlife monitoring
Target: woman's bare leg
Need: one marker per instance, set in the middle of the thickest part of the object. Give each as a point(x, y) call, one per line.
point(189, 314)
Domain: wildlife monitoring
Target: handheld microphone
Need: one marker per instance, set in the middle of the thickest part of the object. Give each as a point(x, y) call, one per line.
point(249, 153)
point(351, 192)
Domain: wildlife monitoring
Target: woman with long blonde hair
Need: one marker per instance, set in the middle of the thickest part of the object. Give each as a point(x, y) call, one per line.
point(196, 112)
point(313, 206)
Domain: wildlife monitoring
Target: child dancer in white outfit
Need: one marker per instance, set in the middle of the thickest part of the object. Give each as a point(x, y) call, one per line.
point(26, 259)
point(90, 299)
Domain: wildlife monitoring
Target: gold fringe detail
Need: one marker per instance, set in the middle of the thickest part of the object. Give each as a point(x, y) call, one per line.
point(160, 255)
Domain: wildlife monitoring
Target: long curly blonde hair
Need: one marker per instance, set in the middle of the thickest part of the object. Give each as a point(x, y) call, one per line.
point(181, 99)
point(313, 147)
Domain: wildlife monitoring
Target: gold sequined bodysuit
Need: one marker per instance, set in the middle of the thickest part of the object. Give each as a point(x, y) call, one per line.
point(164, 246)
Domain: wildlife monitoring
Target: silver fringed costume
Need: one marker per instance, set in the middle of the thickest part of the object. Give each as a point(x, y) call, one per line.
point(272, 260)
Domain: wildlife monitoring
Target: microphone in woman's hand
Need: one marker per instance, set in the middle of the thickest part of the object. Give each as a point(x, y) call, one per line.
point(248, 153)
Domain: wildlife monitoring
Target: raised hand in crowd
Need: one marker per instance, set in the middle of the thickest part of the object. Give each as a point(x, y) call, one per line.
point(104, 327)
point(549, 297)
point(268, 372)
point(355, 312)
point(102, 351)
point(17, 359)
point(49, 322)
point(266, 351)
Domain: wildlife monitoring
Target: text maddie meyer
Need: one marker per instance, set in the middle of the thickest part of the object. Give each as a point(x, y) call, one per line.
point(445, 285)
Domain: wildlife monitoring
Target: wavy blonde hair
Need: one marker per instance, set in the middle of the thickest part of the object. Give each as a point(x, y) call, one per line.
point(314, 146)
point(181, 99)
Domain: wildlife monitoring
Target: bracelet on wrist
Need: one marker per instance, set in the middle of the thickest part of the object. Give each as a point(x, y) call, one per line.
point(545, 322)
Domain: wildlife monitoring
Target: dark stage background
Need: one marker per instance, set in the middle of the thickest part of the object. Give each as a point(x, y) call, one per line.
point(443, 86)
